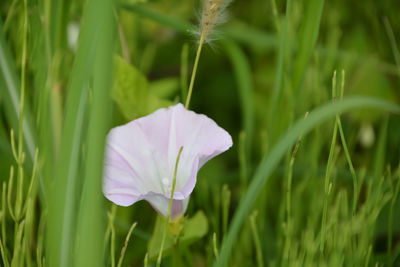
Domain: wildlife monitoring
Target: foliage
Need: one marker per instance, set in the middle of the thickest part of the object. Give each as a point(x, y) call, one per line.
point(308, 90)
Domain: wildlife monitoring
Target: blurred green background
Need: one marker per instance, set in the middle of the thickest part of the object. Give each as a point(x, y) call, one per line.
point(331, 199)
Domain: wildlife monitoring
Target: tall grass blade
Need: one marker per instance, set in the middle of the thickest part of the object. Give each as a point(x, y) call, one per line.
point(244, 82)
point(271, 160)
point(89, 248)
point(308, 38)
point(63, 203)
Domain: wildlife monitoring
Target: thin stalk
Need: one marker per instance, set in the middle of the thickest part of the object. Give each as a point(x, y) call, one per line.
point(4, 212)
point(256, 237)
point(194, 71)
point(146, 260)
point(345, 148)
point(226, 199)
point(171, 199)
point(21, 153)
point(390, 221)
point(3, 254)
point(215, 246)
point(111, 219)
point(328, 173)
point(288, 220)
point(123, 250)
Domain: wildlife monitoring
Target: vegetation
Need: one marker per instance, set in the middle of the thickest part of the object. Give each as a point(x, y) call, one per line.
point(309, 91)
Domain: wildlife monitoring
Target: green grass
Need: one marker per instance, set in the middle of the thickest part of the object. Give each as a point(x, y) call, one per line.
point(313, 177)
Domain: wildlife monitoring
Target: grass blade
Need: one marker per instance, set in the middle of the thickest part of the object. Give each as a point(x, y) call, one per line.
point(62, 206)
point(89, 249)
point(244, 82)
point(270, 161)
point(308, 38)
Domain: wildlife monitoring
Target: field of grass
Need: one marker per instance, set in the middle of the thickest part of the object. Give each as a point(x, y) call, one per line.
point(308, 90)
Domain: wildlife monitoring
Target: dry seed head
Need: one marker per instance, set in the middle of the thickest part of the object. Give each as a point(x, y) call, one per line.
point(213, 13)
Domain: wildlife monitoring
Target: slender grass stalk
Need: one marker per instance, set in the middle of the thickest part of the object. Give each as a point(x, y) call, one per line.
point(40, 241)
point(9, 193)
point(123, 250)
point(288, 217)
point(3, 239)
point(29, 212)
point(194, 71)
point(212, 14)
point(256, 238)
point(146, 260)
point(226, 200)
point(12, 11)
point(393, 43)
point(328, 173)
point(346, 149)
point(4, 214)
point(108, 241)
point(111, 223)
point(380, 150)
point(10, 87)
point(276, 15)
point(215, 245)
point(4, 254)
point(17, 259)
point(171, 199)
point(243, 164)
point(390, 220)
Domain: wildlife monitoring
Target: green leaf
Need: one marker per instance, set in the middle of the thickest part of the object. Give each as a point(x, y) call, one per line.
point(164, 88)
point(131, 92)
point(195, 228)
point(187, 230)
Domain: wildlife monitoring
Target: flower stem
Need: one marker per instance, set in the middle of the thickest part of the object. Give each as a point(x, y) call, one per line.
point(196, 63)
point(171, 199)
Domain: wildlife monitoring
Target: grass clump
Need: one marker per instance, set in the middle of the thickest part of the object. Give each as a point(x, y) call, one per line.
point(320, 189)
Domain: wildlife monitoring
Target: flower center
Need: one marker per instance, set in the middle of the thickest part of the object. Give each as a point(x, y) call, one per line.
point(166, 185)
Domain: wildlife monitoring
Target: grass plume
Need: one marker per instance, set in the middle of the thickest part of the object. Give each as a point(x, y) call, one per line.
point(213, 13)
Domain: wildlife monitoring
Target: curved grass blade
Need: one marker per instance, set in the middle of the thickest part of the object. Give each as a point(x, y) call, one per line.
point(271, 160)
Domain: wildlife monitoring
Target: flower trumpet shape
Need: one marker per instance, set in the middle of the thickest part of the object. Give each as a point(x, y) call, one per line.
point(141, 156)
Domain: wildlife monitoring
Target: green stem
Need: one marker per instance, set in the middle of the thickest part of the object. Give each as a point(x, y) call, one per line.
point(171, 199)
point(256, 237)
point(196, 63)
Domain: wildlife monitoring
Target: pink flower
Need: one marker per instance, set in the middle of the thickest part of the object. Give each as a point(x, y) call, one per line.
point(141, 155)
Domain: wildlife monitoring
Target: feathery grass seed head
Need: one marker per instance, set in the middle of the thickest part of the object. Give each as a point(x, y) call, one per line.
point(213, 13)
